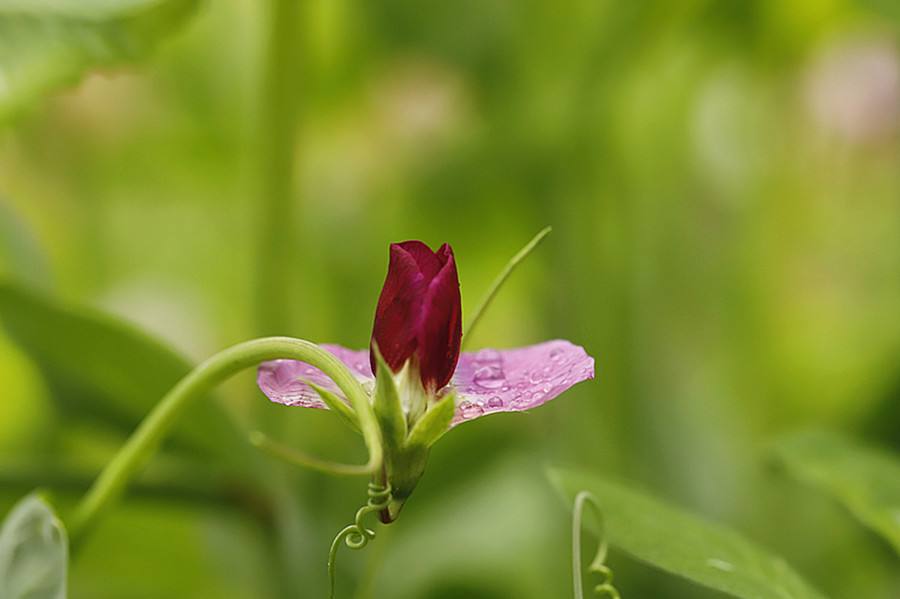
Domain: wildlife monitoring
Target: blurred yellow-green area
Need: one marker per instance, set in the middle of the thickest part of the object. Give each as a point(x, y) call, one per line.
point(723, 183)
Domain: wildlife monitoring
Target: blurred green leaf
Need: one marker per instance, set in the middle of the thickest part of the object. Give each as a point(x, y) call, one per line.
point(45, 44)
point(34, 552)
point(20, 253)
point(683, 544)
point(865, 481)
point(99, 366)
point(887, 9)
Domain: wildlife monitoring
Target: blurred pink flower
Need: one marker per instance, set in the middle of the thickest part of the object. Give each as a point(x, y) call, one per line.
point(853, 89)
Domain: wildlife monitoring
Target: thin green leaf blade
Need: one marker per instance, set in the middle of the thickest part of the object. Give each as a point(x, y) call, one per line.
point(866, 481)
point(683, 544)
point(99, 366)
point(45, 44)
point(34, 552)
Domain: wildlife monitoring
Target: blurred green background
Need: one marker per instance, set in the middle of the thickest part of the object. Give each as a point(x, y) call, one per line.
point(723, 180)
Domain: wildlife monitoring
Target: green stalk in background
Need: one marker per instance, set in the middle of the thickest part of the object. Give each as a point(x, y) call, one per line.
point(278, 116)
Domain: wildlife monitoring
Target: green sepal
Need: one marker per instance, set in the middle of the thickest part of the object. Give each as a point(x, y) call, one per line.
point(388, 408)
point(407, 467)
point(434, 423)
point(336, 404)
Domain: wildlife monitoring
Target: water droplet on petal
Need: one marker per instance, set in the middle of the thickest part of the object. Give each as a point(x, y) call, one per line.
point(521, 402)
point(556, 354)
point(495, 402)
point(488, 355)
point(490, 377)
point(470, 410)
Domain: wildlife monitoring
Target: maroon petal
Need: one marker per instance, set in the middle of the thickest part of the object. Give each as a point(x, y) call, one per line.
point(428, 262)
point(440, 330)
point(396, 316)
point(418, 313)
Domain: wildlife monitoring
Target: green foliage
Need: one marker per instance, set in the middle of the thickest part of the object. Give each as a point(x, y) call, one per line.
point(337, 405)
point(34, 552)
point(681, 543)
point(434, 423)
point(387, 405)
point(864, 480)
point(45, 44)
point(98, 366)
point(21, 257)
point(724, 202)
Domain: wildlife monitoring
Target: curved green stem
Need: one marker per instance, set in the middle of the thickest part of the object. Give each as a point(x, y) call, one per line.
point(356, 535)
point(604, 587)
point(140, 447)
point(501, 279)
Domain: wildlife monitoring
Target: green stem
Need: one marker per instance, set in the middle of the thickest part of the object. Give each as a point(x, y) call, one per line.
point(278, 116)
point(501, 279)
point(140, 447)
point(604, 587)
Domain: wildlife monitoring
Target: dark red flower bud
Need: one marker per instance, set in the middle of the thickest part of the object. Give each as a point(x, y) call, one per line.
point(419, 313)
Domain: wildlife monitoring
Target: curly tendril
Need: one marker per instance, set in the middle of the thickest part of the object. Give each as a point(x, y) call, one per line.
point(604, 587)
point(356, 535)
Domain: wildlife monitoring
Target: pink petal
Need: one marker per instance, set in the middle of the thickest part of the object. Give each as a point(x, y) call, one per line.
point(282, 380)
point(519, 379)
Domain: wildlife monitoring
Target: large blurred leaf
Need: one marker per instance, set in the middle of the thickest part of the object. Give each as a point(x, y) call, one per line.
point(681, 543)
point(34, 552)
point(888, 9)
point(865, 481)
point(99, 366)
point(45, 44)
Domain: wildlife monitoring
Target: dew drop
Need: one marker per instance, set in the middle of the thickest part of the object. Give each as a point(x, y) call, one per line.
point(521, 402)
point(495, 402)
point(487, 355)
point(556, 354)
point(489, 377)
point(470, 410)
